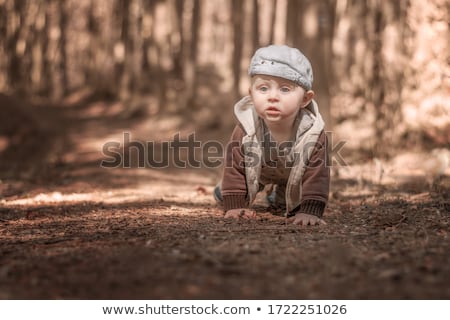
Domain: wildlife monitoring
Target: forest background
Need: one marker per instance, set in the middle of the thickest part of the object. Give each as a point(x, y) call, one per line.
point(381, 67)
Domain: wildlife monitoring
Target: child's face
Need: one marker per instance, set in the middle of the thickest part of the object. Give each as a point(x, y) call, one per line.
point(277, 99)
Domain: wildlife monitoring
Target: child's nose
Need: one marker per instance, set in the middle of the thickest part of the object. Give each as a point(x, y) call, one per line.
point(273, 95)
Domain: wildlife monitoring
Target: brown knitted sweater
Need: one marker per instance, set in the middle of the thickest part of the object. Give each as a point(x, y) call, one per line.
point(315, 180)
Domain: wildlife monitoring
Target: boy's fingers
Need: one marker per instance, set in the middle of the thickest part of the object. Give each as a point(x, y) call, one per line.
point(305, 222)
point(249, 215)
point(232, 215)
point(240, 214)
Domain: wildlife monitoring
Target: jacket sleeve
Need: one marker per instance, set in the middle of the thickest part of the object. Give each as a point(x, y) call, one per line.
point(316, 180)
point(234, 185)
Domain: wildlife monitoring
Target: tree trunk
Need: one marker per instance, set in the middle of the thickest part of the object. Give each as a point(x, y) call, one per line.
point(255, 26)
point(237, 9)
point(312, 33)
point(190, 67)
point(63, 46)
point(46, 61)
point(14, 67)
point(179, 52)
point(272, 21)
point(123, 72)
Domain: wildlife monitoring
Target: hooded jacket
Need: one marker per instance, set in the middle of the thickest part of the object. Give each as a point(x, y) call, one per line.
point(307, 187)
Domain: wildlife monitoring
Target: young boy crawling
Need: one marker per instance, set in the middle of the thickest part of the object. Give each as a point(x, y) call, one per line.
point(279, 141)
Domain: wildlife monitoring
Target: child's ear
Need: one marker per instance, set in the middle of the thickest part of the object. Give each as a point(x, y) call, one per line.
point(307, 97)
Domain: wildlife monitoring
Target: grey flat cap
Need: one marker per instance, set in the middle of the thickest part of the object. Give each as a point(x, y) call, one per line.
point(284, 62)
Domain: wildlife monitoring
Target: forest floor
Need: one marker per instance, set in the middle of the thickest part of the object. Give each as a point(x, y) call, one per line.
point(70, 229)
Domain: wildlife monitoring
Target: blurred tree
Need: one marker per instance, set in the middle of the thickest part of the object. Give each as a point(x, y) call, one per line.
point(191, 53)
point(237, 9)
point(255, 25)
point(309, 27)
point(14, 44)
point(273, 15)
point(126, 46)
point(63, 67)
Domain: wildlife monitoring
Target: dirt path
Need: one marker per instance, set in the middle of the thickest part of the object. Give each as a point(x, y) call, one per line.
point(86, 232)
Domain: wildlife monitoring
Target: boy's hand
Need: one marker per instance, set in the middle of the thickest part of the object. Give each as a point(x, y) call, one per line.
point(240, 214)
point(305, 219)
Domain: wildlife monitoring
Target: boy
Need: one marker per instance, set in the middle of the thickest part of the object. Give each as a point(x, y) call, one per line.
point(279, 141)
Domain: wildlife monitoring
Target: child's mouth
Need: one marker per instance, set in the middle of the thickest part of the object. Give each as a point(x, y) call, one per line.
point(272, 111)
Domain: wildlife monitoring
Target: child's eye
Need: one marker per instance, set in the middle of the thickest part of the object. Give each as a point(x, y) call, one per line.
point(263, 89)
point(285, 89)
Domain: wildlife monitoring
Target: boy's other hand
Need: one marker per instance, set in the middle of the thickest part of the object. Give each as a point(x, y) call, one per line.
point(305, 219)
point(240, 214)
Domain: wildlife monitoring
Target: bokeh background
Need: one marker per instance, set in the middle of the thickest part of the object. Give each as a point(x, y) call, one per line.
point(382, 74)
